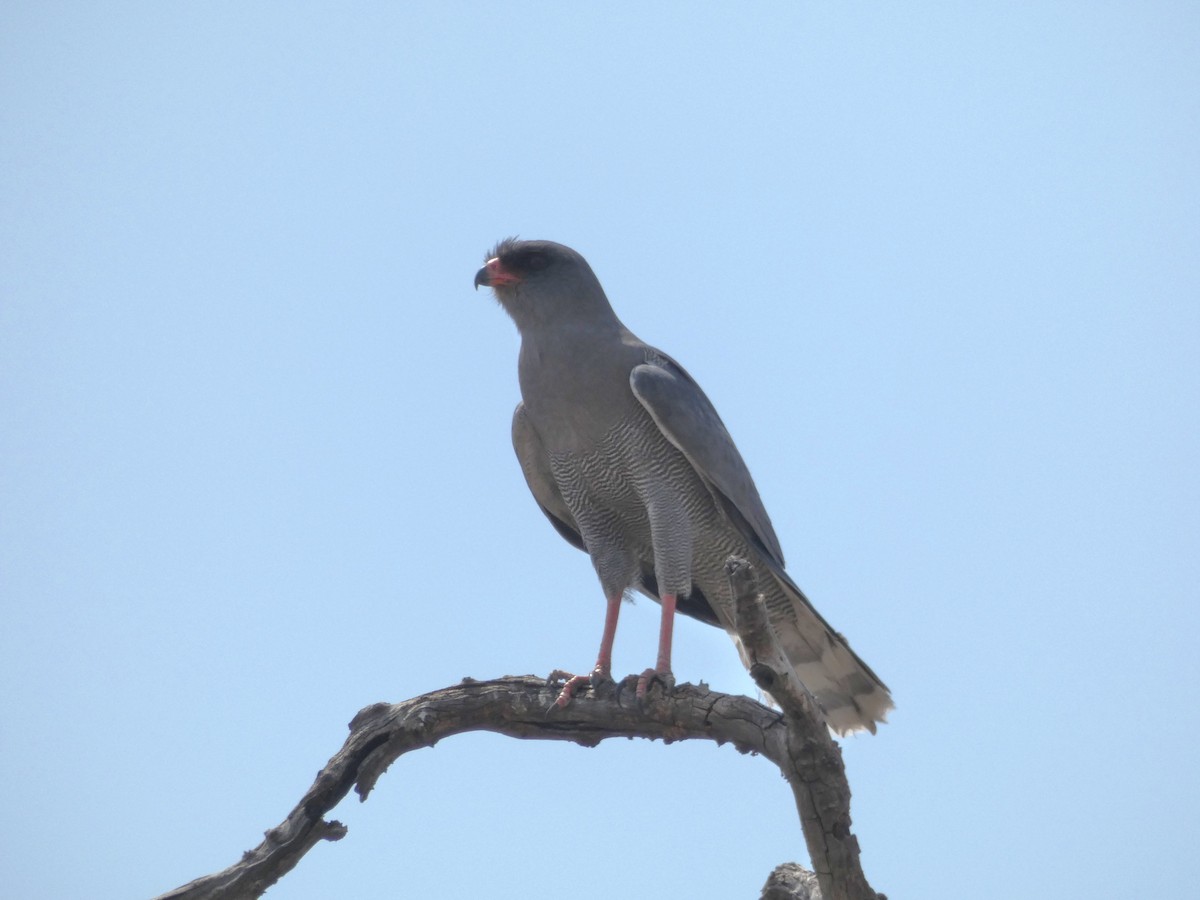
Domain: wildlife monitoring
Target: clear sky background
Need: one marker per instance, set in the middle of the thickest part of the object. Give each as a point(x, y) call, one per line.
point(936, 265)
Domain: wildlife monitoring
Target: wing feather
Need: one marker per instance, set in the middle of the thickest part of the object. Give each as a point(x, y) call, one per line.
point(535, 464)
point(688, 420)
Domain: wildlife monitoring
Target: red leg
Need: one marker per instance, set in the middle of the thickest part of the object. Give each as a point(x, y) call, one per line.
point(604, 657)
point(603, 670)
point(665, 631)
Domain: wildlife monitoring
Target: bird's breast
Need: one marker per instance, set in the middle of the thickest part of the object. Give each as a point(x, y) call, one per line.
point(575, 401)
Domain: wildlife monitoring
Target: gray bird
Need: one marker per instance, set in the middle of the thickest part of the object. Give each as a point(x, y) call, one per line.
point(630, 462)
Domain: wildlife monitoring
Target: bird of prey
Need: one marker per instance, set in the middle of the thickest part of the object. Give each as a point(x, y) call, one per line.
point(630, 462)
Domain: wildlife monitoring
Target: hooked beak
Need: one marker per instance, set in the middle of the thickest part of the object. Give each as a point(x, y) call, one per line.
point(493, 274)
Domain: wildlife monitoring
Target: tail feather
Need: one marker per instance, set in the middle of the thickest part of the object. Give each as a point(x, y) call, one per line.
point(852, 696)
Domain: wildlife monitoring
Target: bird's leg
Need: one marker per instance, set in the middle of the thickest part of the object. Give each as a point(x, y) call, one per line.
point(662, 670)
point(603, 670)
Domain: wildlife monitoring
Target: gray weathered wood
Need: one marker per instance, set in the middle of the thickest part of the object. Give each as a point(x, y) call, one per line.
point(791, 881)
point(523, 707)
point(813, 766)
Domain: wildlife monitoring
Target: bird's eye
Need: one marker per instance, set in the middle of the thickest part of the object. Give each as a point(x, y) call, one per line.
point(536, 261)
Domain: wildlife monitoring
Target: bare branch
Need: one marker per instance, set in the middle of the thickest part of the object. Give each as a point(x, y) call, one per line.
point(813, 766)
point(523, 707)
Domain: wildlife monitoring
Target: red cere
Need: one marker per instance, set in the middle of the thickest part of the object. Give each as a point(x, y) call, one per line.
point(498, 275)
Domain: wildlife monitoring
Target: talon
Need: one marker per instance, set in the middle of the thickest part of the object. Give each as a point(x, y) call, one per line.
point(568, 689)
point(572, 683)
point(647, 678)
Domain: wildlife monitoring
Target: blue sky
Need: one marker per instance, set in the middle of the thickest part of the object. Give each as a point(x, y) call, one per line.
point(936, 266)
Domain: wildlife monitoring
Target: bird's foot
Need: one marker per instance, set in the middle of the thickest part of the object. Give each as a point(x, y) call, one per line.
point(572, 683)
point(647, 678)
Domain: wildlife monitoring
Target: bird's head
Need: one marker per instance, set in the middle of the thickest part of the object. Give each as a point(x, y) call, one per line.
point(540, 283)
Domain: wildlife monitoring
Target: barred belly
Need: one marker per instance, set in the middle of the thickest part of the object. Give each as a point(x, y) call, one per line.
point(641, 507)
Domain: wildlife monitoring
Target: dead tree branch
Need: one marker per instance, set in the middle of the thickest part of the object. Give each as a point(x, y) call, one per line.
point(522, 707)
point(813, 766)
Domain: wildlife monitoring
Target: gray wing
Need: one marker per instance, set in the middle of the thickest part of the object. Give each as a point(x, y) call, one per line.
point(688, 420)
point(535, 463)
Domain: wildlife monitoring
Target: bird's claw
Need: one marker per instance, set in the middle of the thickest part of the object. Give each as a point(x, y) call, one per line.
point(647, 678)
point(572, 683)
